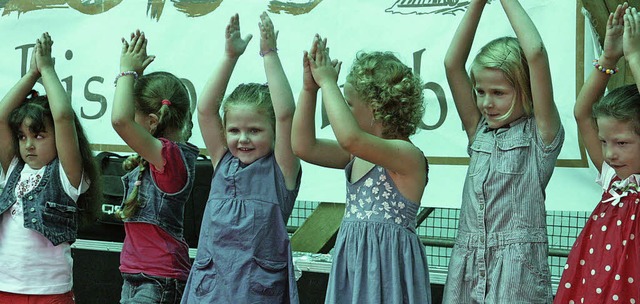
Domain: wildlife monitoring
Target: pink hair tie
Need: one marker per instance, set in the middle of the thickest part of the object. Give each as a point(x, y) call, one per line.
point(166, 102)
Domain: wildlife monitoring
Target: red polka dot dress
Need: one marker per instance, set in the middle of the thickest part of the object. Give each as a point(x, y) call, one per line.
point(604, 264)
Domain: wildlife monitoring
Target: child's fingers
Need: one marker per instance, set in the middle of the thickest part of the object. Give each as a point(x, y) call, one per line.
point(125, 45)
point(630, 24)
point(314, 44)
point(144, 45)
point(312, 62)
point(247, 38)
point(140, 42)
point(147, 61)
point(619, 12)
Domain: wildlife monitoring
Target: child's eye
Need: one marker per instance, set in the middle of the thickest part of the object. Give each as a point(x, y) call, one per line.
point(622, 143)
point(21, 137)
point(254, 130)
point(479, 92)
point(498, 93)
point(232, 130)
point(39, 136)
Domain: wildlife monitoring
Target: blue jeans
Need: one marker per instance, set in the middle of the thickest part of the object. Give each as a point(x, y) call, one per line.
point(143, 288)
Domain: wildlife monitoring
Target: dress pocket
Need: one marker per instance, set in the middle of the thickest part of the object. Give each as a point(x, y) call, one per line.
point(480, 152)
point(269, 278)
point(204, 276)
point(513, 155)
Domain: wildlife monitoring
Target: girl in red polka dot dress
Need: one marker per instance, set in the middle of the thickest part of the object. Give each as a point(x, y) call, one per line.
point(604, 263)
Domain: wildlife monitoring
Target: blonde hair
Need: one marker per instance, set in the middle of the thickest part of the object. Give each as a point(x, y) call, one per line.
point(391, 89)
point(505, 54)
point(253, 94)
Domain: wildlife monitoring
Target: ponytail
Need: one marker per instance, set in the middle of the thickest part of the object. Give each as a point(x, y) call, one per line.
point(132, 203)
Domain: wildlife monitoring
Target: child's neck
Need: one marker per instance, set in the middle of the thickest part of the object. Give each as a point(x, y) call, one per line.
point(172, 135)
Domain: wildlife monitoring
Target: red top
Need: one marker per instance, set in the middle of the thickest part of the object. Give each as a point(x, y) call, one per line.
point(148, 248)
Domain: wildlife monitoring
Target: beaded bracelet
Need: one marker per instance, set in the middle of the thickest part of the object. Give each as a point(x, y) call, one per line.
point(125, 73)
point(602, 69)
point(262, 54)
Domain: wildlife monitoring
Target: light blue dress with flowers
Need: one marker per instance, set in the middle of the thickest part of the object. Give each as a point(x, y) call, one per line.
point(378, 257)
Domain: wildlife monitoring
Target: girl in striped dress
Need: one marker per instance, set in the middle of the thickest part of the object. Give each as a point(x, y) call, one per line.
point(506, 106)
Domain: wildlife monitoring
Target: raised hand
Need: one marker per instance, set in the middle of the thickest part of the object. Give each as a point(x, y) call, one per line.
point(324, 70)
point(268, 35)
point(235, 44)
point(43, 60)
point(308, 83)
point(614, 34)
point(134, 54)
point(631, 40)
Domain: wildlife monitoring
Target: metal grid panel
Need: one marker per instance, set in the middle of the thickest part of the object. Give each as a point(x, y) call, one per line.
point(438, 232)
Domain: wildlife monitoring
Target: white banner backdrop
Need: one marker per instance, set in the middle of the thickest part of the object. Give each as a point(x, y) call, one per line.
point(188, 39)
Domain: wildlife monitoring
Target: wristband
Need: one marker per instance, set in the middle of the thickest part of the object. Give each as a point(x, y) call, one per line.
point(602, 69)
point(262, 54)
point(125, 73)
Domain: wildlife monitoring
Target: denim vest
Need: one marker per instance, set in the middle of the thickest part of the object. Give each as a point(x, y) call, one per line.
point(165, 210)
point(47, 208)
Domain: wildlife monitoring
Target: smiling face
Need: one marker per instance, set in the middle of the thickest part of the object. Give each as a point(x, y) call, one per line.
point(620, 145)
point(249, 133)
point(37, 149)
point(495, 97)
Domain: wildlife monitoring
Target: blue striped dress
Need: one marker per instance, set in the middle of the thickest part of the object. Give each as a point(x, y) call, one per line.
point(501, 250)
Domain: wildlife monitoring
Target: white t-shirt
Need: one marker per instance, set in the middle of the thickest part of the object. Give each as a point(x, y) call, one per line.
point(29, 263)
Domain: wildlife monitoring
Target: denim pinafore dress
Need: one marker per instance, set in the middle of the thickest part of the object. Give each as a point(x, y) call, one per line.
point(244, 253)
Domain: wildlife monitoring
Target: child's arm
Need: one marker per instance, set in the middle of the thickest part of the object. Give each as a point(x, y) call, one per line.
point(66, 137)
point(454, 63)
point(322, 152)
point(544, 108)
point(631, 42)
point(282, 99)
point(134, 58)
point(396, 155)
point(594, 87)
point(12, 100)
point(211, 98)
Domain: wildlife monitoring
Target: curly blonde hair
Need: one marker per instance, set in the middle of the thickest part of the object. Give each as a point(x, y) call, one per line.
point(391, 89)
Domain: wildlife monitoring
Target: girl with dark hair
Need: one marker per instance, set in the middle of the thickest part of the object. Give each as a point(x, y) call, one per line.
point(47, 166)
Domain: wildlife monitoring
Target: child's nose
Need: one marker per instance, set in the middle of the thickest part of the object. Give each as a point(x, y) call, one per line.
point(244, 137)
point(29, 144)
point(488, 102)
point(609, 153)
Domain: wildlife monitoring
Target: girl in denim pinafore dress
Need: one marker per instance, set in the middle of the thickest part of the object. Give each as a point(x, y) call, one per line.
point(244, 255)
point(515, 136)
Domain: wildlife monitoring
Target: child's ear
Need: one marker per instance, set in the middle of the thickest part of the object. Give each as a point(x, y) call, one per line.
point(153, 122)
